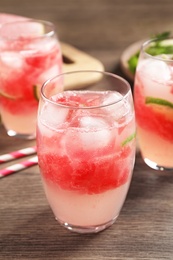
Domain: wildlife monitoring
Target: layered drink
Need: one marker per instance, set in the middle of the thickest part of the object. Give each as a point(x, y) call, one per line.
point(86, 151)
point(154, 109)
point(29, 54)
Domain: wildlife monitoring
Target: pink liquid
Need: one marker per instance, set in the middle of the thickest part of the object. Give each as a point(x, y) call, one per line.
point(21, 71)
point(85, 167)
point(85, 209)
point(155, 122)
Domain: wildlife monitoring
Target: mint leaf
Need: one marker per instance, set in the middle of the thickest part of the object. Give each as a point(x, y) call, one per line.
point(128, 139)
point(132, 62)
point(154, 50)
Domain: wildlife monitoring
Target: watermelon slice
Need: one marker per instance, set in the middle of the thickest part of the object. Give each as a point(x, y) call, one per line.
point(8, 96)
point(158, 101)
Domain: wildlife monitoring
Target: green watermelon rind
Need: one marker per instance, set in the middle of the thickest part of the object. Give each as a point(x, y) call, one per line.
point(158, 101)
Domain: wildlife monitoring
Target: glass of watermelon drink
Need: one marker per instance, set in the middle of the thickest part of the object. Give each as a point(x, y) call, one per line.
point(29, 54)
point(154, 103)
point(86, 148)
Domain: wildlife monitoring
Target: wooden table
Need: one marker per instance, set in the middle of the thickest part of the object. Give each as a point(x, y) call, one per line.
point(144, 230)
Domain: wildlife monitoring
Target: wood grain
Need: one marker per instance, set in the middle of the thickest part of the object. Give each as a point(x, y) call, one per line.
point(144, 229)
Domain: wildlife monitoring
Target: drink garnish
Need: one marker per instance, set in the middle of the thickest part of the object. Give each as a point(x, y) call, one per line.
point(156, 49)
point(36, 92)
point(128, 139)
point(158, 101)
point(6, 95)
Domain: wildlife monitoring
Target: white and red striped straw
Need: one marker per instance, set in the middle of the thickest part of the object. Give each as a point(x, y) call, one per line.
point(18, 167)
point(17, 154)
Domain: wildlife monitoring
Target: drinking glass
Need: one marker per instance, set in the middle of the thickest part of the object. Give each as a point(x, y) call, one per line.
point(153, 92)
point(86, 148)
point(29, 54)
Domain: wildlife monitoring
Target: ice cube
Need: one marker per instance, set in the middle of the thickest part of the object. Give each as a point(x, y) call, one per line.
point(48, 44)
point(117, 108)
point(95, 139)
point(12, 60)
point(89, 122)
point(50, 73)
point(155, 76)
point(111, 97)
point(95, 134)
point(54, 116)
point(54, 140)
point(92, 137)
point(44, 129)
point(121, 110)
point(156, 69)
point(11, 65)
point(43, 45)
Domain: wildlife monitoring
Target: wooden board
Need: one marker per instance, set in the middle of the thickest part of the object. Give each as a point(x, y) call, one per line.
point(75, 60)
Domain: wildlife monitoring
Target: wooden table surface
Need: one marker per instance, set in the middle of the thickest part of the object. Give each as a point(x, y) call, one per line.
point(144, 229)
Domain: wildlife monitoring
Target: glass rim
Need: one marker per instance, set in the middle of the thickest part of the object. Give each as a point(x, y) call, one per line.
point(25, 21)
point(150, 41)
point(45, 98)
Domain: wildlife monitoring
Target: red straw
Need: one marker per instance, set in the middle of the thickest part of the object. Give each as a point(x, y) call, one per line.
point(18, 167)
point(17, 154)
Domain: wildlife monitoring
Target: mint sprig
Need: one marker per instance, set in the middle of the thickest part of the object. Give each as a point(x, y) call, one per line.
point(154, 50)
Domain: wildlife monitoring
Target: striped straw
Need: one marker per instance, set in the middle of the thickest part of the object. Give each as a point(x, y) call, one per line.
point(17, 154)
point(18, 167)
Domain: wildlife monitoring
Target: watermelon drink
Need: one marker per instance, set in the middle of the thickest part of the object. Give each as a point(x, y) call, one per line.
point(29, 54)
point(154, 103)
point(86, 149)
